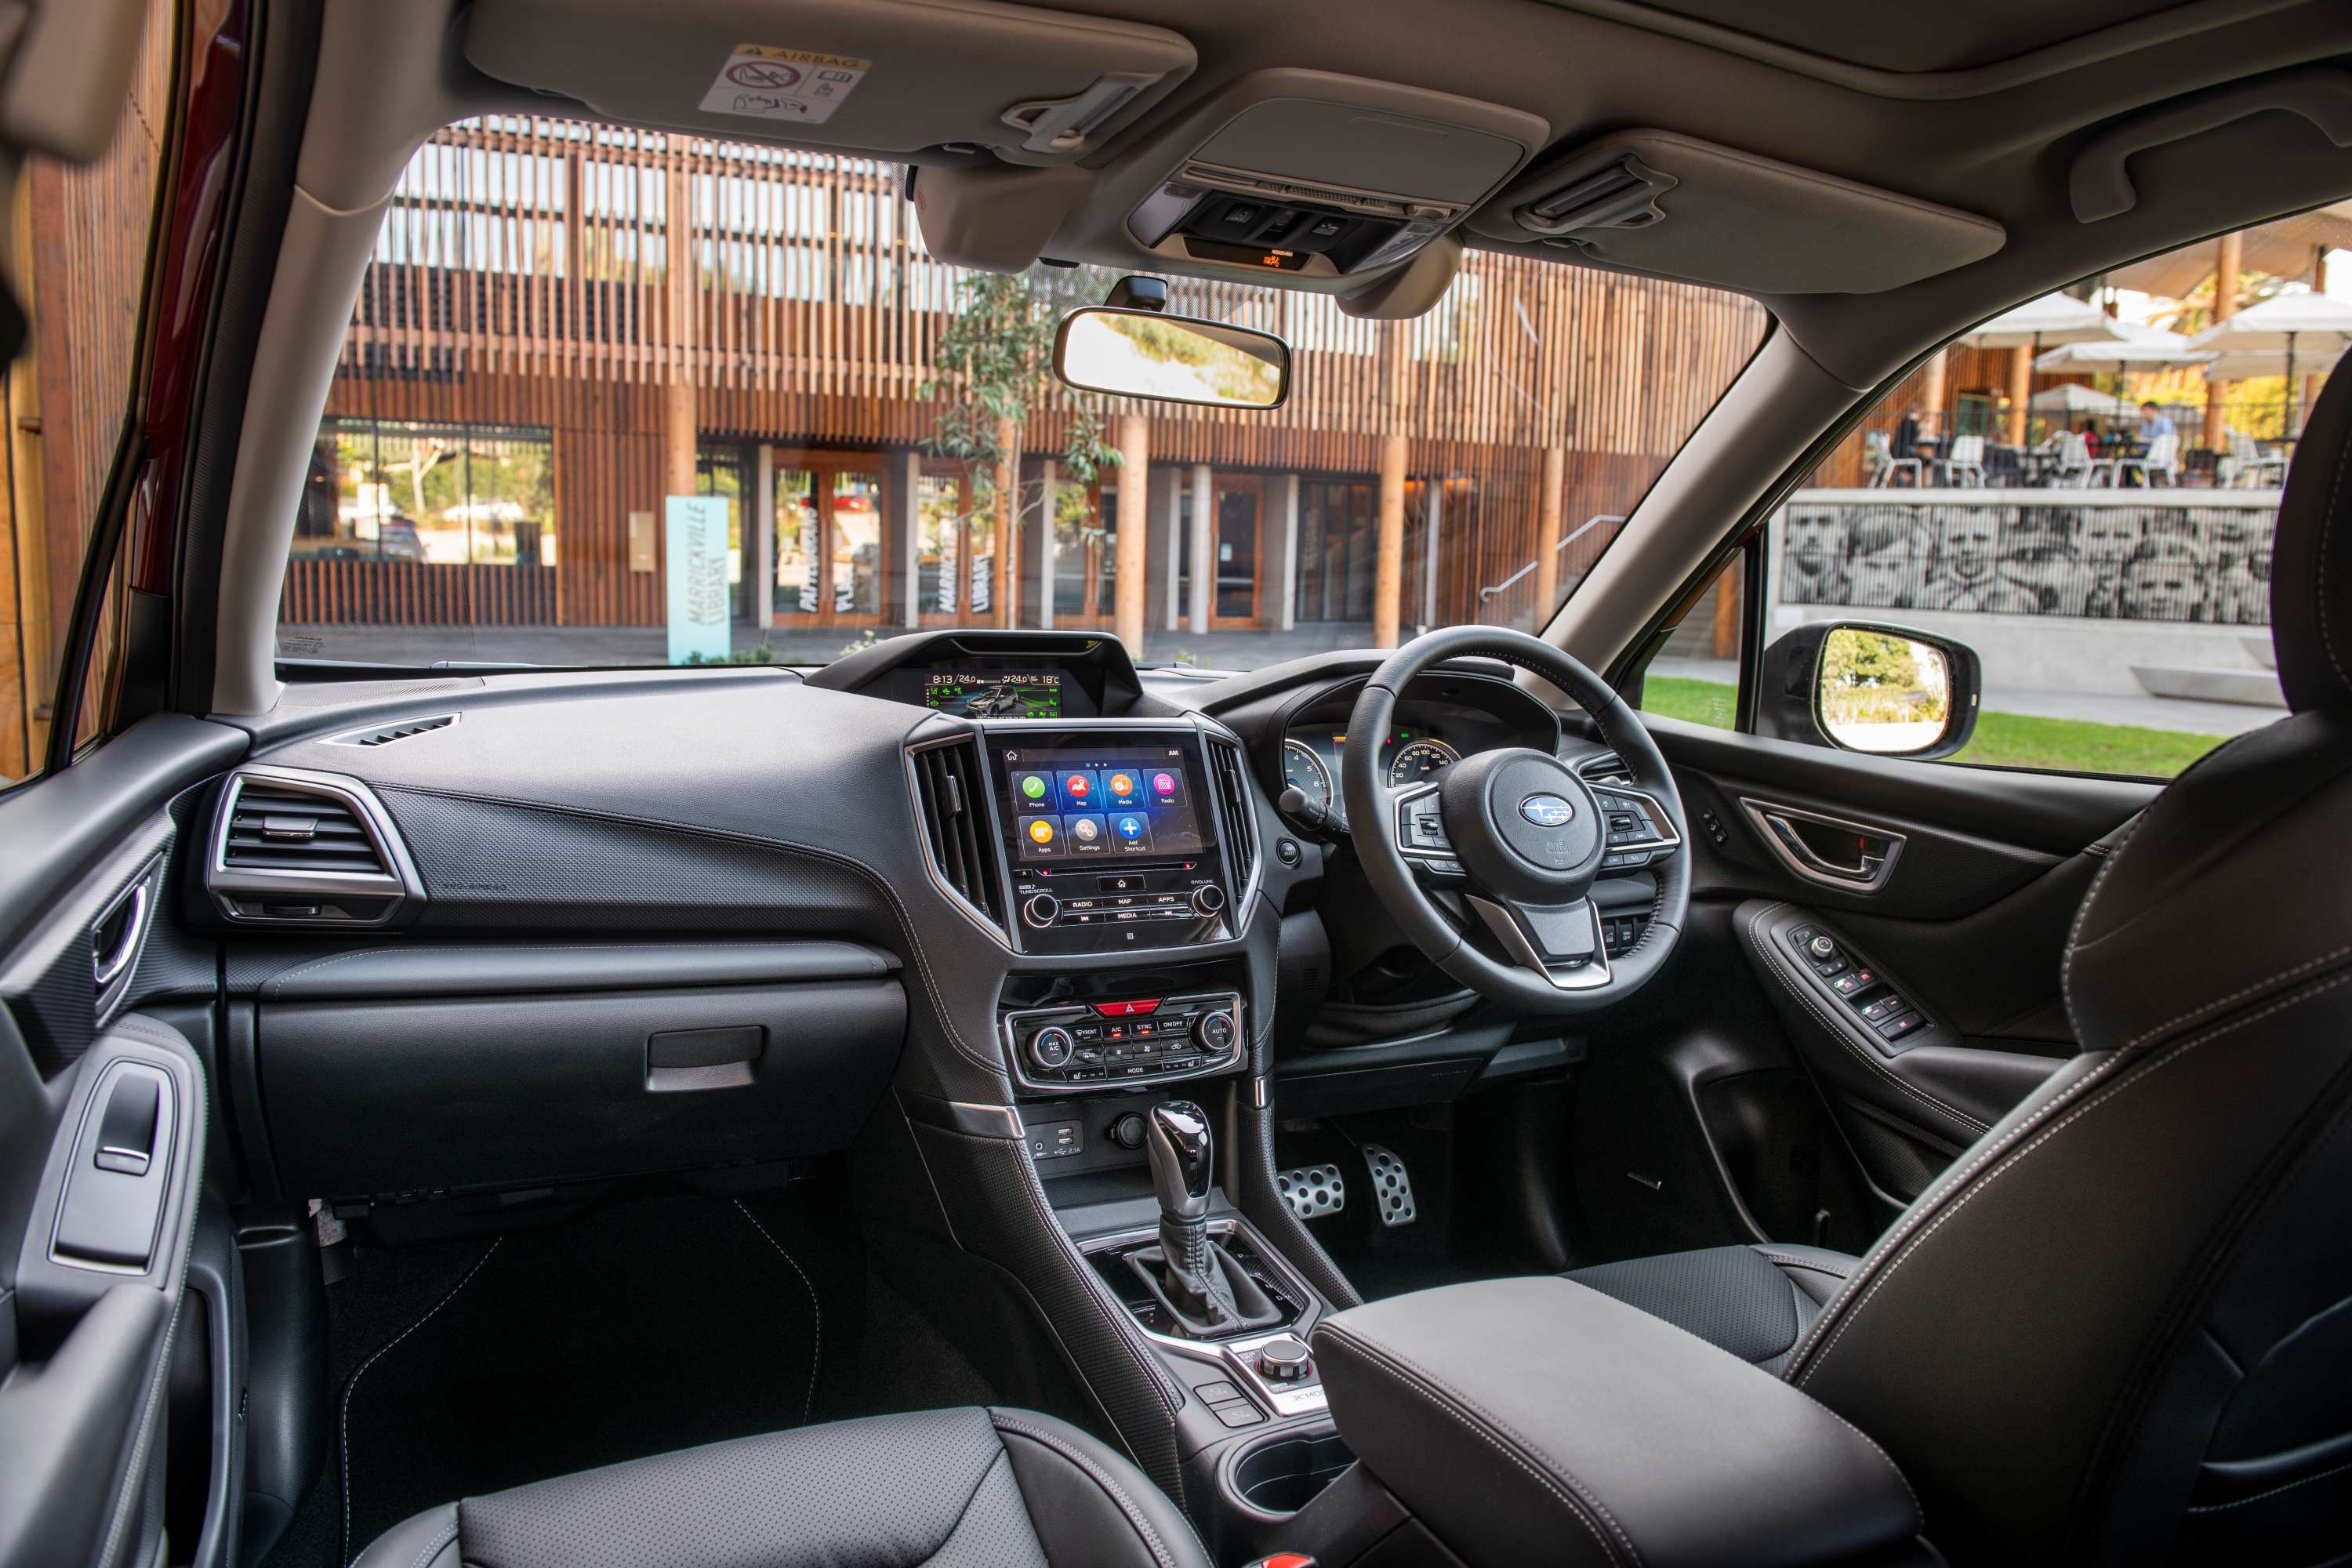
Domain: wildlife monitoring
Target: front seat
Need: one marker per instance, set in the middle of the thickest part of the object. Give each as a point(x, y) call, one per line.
point(951, 1489)
point(2119, 1328)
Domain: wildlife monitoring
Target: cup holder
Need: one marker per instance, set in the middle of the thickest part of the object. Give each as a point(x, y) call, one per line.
point(1283, 1472)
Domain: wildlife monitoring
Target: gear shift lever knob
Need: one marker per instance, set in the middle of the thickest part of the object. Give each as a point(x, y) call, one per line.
point(1183, 1155)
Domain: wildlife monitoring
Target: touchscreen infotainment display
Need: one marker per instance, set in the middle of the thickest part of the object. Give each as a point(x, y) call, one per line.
point(1103, 803)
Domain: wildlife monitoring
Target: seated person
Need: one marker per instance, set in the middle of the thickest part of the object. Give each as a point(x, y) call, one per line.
point(2165, 579)
point(1812, 557)
point(1967, 574)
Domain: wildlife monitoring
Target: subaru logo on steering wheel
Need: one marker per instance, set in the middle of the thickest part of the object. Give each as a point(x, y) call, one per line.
point(1547, 810)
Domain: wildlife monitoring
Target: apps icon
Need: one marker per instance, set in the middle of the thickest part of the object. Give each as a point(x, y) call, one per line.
point(1044, 836)
point(1167, 786)
point(1034, 792)
point(1081, 789)
point(1087, 833)
point(1123, 786)
point(1131, 831)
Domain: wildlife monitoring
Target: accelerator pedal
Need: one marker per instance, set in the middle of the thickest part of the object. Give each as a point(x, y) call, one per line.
point(1312, 1191)
point(1392, 1186)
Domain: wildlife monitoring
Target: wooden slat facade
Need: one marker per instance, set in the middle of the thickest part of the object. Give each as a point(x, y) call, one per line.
point(525, 280)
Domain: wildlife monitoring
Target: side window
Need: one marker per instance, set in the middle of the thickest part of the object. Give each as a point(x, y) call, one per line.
point(2082, 491)
point(78, 261)
point(1696, 677)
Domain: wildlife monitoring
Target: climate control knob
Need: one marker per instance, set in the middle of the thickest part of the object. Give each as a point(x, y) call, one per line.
point(1050, 1048)
point(1040, 911)
point(1208, 898)
point(1215, 1031)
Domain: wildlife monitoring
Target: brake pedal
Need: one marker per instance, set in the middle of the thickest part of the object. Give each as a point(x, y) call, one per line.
point(1391, 1185)
point(1312, 1191)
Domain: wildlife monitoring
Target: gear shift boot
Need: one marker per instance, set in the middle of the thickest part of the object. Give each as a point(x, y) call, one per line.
point(1228, 1302)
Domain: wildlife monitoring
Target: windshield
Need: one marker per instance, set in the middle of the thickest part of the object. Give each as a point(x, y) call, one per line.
point(612, 398)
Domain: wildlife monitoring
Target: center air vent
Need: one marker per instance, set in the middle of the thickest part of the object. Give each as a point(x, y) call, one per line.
point(296, 847)
point(955, 824)
point(1233, 801)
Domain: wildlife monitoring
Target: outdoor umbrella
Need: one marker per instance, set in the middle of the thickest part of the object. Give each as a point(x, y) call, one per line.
point(2071, 398)
point(2049, 321)
point(2141, 347)
point(2318, 325)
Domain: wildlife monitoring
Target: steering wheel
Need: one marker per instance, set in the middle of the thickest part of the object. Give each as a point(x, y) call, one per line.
point(1520, 837)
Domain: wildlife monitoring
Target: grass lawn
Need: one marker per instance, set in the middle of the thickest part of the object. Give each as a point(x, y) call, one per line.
point(2003, 740)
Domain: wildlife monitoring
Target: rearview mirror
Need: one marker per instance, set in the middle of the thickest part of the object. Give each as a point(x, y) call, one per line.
point(1863, 687)
point(1170, 359)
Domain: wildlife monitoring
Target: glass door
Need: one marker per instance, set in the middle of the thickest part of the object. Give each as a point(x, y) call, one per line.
point(832, 552)
point(955, 551)
point(1240, 554)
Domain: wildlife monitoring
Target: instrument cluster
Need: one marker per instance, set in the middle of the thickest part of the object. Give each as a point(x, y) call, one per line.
point(1310, 759)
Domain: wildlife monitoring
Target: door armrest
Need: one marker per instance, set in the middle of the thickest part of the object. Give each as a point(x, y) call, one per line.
point(1516, 1411)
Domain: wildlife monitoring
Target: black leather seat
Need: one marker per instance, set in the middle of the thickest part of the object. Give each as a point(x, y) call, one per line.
point(2120, 1327)
point(952, 1488)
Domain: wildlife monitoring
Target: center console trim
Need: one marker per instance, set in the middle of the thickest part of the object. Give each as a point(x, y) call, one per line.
point(1230, 1001)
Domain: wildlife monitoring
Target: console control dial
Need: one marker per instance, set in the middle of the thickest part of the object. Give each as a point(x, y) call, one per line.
point(1040, 909)
point(1284, 1359)
point(1216, 1031)
point(1208, 898)
point(1051, 1047)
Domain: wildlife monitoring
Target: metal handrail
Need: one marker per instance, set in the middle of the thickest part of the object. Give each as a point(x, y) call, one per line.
point(1587, 526)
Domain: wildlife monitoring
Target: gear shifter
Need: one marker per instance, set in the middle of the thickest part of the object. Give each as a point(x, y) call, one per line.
point(1183, 1153)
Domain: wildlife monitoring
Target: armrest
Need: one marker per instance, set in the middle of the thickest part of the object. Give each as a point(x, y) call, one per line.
point(1514, 1413)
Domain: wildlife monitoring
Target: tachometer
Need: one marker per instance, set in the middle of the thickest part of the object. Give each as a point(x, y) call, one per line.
point(1302, 769)
point(1417, 760)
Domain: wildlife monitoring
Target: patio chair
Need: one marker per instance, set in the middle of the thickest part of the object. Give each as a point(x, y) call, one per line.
point(1965, 465)
point(2162, 457)
point(1879, 451)
point(2250, 467)
point(2071, 460)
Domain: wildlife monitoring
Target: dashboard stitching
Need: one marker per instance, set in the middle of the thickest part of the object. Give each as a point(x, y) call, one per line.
point(1796, 989)
point(906, 924)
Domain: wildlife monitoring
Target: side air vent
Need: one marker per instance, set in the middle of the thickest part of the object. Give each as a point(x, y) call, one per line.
point(948, 798)
point(1233, 801)
point(1608, 768)
point(388, 733)
point(294, 847)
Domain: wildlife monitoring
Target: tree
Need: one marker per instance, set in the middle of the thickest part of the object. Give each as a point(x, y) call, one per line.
point(993, 367)
point(1871, 659)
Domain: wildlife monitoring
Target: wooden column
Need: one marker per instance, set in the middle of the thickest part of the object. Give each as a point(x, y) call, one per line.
point(906, 477)
point(2227, 260)
point(1729, 590)
point(1284, 501)
point(1047, 548)
point(1548, 503)
point(678, 393)
point(678, 438)
point(1134, 529)
point(2317, 379)
point(2020, 392)
point(760, 548)
point(1008, 503)
point(1201, 594)
point(1932, 385)
point(1387, 565)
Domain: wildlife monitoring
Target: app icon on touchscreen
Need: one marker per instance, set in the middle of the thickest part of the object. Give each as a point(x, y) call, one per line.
point(1133, 830)
point(1081, 789)
point(1033, 791)
point(1167, 787)
point(1044, 836)
point(1123, 786)
point(1085, 834)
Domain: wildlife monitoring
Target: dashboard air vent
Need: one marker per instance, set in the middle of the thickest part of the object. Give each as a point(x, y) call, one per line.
point(1233, 801)
point(947, 790)
point(294, 847)
point(387, 734)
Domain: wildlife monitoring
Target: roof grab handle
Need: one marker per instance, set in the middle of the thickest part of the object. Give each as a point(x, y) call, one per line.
point(2100, 185)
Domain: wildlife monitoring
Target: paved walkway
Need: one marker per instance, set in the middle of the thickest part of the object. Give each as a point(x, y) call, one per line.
point(602, 646)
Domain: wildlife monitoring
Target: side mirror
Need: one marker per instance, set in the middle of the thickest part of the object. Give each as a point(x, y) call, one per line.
point(1860, 685)
point(1170, 359)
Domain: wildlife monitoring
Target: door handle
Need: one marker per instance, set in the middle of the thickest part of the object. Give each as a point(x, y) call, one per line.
point(1808, 856)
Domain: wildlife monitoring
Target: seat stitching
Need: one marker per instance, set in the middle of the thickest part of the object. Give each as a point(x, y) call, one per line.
point(1452, 1401)
point(2287, 1487)
point(1918, 1509)
point(343, 1421)
point(2153, 1067)
point(1805, 1263)
point(817, 1309)
point(1796, 988)
point(1136, 1518)
point(2221, 1003)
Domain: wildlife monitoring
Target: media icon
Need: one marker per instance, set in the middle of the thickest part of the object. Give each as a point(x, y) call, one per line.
point(1122, 786)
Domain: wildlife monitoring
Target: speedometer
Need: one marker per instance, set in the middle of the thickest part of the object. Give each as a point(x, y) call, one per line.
point(1303, 770)
point(1417, 760)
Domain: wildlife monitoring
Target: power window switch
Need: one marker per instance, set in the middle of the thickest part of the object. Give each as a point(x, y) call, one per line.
point(1885, 1008)
point(1852, 981)
point(1895, 1028)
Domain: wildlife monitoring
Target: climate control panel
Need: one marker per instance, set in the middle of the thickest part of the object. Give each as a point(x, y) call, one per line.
point(1085, 1046)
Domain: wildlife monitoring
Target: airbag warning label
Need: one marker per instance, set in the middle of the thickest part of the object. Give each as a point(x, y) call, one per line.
point(799, 87)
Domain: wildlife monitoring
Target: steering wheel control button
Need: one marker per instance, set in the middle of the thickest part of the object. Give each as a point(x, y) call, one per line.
point(1285, 1359)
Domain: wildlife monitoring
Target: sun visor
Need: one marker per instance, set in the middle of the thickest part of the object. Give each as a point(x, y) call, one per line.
point(1652, 201)
point(890, 78)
